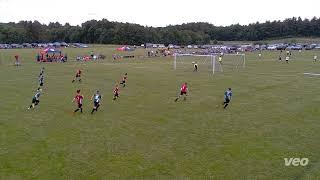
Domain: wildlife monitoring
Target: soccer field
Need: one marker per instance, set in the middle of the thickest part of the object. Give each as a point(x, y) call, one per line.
point(274, 114)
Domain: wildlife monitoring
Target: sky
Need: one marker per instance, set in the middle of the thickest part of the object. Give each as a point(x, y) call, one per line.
point(157, 13)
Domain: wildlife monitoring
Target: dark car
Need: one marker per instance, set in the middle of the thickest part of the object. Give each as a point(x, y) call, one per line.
point(281, 47)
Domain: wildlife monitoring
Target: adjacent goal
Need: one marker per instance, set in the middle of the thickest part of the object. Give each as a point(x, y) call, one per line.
point(209, 63)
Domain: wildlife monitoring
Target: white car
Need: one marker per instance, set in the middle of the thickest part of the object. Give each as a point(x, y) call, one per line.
point(272, 47)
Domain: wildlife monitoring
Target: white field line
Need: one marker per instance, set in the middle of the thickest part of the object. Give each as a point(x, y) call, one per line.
point(311, 74)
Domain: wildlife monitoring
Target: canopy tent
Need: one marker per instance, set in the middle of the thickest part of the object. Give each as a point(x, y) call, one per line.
point(50, 50)
point(51, 55)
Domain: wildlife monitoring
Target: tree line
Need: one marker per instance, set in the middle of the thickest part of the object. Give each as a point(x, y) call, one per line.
point(108, 32)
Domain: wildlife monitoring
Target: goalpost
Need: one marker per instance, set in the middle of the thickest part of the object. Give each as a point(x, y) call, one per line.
point(210, 62)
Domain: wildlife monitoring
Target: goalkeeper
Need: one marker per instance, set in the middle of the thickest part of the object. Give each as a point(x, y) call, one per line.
point(220, 59)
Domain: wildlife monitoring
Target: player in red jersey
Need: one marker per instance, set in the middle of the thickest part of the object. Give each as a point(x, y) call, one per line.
point(17, 60)
point(183, 91)
point(78, 98)
point(78, 76)
point(124, 79)
point(116, 92)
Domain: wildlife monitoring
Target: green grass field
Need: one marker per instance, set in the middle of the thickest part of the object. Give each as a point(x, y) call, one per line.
point(274, 115)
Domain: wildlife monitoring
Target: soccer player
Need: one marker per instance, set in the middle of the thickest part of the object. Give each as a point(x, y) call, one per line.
point(96, 101)
point(124, 79)
point(17, 60)
point(79, 99)
point(41, 80)
point(78, 76)
point(41, 72)
point(220, 59)
point(315, 58)
point(183, 91)
point(288, 53)
point(280, 58)
point(195, 67)
point(116, 92)
point(287, 59)
point(227, 97)
point(35, 99)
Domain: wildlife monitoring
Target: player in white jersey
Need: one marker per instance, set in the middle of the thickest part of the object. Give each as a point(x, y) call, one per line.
point(96, 101)
point(35, 99)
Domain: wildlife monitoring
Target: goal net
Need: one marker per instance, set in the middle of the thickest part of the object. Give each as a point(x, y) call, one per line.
point(209, 63)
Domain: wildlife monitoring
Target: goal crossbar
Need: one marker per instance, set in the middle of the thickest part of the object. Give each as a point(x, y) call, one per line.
point(212, 58)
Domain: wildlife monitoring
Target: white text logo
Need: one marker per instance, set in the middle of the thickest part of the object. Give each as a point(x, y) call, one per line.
point(296, 161)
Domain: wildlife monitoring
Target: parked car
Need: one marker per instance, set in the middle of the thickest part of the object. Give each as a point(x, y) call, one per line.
point(34, 45)
point(281, 47)
point(272, 47)
point(310, 47)
point(295, 47)
point(27, 45)
point(317, 47)
point(63, 44)
point(16, 46)
point(56, 44)
point(79, 45)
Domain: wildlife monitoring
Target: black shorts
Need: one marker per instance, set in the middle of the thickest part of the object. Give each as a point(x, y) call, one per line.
point(116, 95)
point(41, 84)
point(123, 82)
point(226, 100)
point(35, 101)
point(96, 104)
point(78, 76)
point(182, 93)
point(79, 105)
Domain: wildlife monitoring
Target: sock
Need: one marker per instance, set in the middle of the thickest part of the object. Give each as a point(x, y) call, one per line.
point(81, 110)
point(92, 111)
point(76, 110)
point(225, 105)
